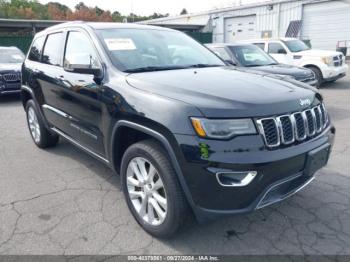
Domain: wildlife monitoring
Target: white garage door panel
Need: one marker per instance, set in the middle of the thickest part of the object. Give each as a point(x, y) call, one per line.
point(240, 28)
point(326, 23)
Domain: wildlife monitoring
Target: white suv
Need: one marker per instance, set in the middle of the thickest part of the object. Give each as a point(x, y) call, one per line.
point(328, 66)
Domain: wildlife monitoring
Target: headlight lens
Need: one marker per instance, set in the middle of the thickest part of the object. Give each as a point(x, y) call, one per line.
point(222, 128)
point(327, 60)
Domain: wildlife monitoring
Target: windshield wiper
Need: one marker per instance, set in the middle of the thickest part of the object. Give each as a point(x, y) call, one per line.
point(152, 68)
point(203, 65)
point(261, 65)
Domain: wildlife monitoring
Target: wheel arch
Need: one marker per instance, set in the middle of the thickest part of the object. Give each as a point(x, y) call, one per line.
point(309, 66)
point(28, 94)
point(147, 133)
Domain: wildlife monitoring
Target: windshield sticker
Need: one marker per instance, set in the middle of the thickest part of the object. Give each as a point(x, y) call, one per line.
point(117, 44)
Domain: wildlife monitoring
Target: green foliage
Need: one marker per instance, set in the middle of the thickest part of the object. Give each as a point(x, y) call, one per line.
point(32, 9)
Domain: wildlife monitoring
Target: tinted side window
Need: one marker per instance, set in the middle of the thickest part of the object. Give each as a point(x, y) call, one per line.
point(276, 48)
point(52, 50)
point(222, 53)
point(35, 50)
point(80, 52)
point(261, 45)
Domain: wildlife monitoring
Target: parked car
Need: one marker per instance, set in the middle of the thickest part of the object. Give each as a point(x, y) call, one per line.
point(185, 132)
point(11, 59)
point(328, 66)
point(254, 59)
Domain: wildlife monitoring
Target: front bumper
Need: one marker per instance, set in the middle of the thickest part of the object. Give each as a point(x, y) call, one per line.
point(280, 173)
point(10, 87)
point(331, 73)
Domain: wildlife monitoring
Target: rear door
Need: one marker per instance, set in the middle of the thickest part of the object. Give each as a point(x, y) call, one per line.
point(49, 74)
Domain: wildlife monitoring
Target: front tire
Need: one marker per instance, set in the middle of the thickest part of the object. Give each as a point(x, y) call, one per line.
point(152, 191)
point(318, 76)
point(41, 136)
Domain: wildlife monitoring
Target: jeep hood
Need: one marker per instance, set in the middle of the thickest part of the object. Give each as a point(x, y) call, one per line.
point(318, 53)
point(225, 91)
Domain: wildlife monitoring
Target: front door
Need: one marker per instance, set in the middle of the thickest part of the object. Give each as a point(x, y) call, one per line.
point(81, 99)
point(278, 51)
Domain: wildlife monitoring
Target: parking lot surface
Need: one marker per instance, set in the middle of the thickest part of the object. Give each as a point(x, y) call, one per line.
point(62, 201)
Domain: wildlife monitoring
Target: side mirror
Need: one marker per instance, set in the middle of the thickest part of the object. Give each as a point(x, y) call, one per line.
point(83, 69)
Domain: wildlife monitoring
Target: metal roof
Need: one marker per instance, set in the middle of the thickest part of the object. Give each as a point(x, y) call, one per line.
point(27, 23)
point(204, 16)
point(190, 19)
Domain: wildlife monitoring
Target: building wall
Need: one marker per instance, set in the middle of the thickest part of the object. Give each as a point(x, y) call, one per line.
point(275, 20)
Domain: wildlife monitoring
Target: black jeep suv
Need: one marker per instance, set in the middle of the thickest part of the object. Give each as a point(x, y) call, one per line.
point(184, 131)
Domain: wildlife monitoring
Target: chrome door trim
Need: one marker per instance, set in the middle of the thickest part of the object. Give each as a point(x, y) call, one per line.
point(74, 142)
point(55, 110)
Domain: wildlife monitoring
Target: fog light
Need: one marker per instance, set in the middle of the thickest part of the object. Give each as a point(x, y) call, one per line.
point(235, 179)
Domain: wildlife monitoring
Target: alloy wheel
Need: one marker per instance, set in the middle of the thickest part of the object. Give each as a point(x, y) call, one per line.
point(34, 125)
point(146, 191)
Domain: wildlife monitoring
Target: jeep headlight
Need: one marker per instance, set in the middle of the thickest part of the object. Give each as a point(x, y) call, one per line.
point(327, 60)
point(222, 128)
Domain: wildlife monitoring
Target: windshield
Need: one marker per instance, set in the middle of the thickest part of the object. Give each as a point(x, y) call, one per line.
point(138, 50)
point(11, 56)
point(296, 45)
point(251, 55)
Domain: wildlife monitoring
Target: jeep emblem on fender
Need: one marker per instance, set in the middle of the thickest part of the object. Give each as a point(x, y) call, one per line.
point(304, 102)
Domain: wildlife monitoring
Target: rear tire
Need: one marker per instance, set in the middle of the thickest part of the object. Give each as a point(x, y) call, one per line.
point(318, 76)
point(41, 136)
point(159, 184)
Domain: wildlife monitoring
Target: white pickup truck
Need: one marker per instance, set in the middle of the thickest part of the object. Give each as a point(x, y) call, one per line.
point(328, 66)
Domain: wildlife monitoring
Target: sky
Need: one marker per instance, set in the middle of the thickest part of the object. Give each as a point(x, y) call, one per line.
point(148, 7)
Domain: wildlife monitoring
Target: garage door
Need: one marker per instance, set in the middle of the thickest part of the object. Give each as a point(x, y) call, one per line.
point(326, 23)
point(240, 28)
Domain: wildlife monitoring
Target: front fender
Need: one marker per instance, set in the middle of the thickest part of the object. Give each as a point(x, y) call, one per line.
point(167, 146)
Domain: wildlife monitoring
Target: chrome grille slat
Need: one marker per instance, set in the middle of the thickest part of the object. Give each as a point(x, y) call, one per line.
point(269, 129)
point(298, 126)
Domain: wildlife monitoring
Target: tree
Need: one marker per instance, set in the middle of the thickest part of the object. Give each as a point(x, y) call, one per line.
point(184, 12)
point(57, 11)
point(32, 9)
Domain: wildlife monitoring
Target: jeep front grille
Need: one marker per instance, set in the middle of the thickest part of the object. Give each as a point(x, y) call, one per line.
point(295, 127)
